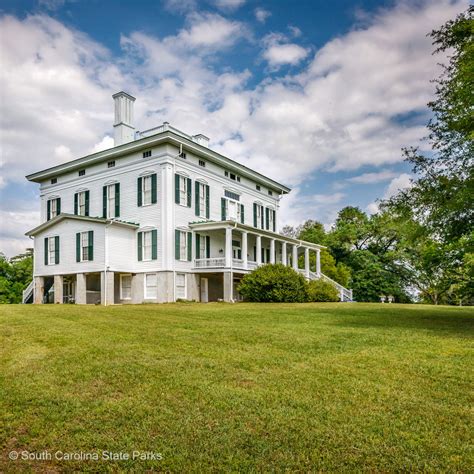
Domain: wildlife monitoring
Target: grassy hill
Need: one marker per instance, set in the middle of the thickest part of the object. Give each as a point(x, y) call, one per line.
point(332, 387)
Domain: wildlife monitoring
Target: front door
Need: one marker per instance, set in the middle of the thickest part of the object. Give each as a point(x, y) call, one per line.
point(204, 290)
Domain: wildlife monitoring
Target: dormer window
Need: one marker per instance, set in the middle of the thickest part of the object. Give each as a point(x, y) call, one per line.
point(147, 154)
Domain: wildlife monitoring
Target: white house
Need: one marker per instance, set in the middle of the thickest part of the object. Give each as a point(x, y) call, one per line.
point(157, 218)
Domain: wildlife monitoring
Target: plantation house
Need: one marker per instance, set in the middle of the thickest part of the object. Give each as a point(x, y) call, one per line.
point(157, 218)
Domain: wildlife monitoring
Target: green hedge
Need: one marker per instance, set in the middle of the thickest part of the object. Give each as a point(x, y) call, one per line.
point(322, 291)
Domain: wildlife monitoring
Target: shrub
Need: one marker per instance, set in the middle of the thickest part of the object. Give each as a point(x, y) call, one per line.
point(320, 290)
point(274, 283)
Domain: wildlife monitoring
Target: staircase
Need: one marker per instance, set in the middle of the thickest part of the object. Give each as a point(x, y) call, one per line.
point(345, 295)
point(28, 293)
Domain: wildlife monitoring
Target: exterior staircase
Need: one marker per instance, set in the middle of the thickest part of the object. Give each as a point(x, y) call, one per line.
point(28, 293)
point(345, 295)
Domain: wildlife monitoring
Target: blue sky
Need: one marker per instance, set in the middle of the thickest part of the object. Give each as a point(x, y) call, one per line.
point(318, 95)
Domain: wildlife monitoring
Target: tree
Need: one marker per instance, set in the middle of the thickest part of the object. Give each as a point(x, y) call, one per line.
point(15, 274)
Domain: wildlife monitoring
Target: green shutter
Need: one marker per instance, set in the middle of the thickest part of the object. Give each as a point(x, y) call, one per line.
point(90, 249)
point(254, 214)
point(196, 197)
point(177, 235)
point(198, 246)
point(190, 246)
point(176, 188)
point(58, 206)
point(208, 247)
point(267, 218)
point(140, 246)
point(274, 221)
point(117, 199)
point(48, 213)
point(78, 247)
point(139, 191)
point(56, 249)
point(242, 214)
point(76, 203)
point(223, 213)
point(154, 244)
point(207, 201)
point(154, 198)
point(188, 191)
point(46, 250)
point(87, 202)
point(104, 201)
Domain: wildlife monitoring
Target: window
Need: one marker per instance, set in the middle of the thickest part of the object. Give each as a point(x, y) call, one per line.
point(183, 245)
point(125, 287)
point(85, 246)
point(270, 193)
point(232, 210)
point(258, 218)
point(202, 163)
point(111, 164)
point(147, 154)
point(226, 173)
point(51, 250)
point(232, 176)
point(182, 190)
point(238, 179)
point(203, 246)
point(271, 219)
point(82, 172)
point(146, 190)
point(147, 245)
point(182, 155)
point(53, 208)
point(232, 195)
point(202, 199)
point(150, 285)
point(81, 203)
point(111, 201)
point(180, 285)
point(54, 180)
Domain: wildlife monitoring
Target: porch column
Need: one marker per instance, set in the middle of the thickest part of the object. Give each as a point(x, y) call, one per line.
point(38, 291)
point(283, 254)
point(258, 245)
point(306, 262)
point(318, 262)
point(58, 289)
point(193, 248)
point(272, 251)
point(295, 257)
point(244, 249)
point(227, 287)
point(228, 247)
point(81, 294)
point(107, 288)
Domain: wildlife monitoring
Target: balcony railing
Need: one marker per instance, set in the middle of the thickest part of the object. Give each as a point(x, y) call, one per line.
point(218, 262)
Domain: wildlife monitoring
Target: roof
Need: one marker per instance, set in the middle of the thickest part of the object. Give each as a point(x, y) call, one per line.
point(216, 225)
point(64, 216)
point(164, 133)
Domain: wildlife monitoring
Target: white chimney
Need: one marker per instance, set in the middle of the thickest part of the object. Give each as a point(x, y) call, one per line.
point(124, 131)
point(201, 139)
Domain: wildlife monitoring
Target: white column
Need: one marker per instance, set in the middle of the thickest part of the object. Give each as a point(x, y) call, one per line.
point(193, 248)
point(228, 247)
point(318, 262)
point(283, 254)
point(258, 244)
point(244, 249)
point(306, 262)
point(167, 225)
point(81, 288)
point(272, 251)
point(58, 289)
point(295, 257)
point(38, 290)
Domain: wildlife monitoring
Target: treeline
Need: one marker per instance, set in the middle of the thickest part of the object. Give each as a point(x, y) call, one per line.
point(15, 275)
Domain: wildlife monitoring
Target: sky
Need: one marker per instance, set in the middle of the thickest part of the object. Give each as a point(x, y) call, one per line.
point(319, 95)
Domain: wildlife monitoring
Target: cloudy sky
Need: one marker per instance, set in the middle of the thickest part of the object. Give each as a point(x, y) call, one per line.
point(318, 95)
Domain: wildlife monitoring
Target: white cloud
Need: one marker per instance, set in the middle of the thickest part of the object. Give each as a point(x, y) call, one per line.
point(278, 51)
point(228, 5)
point(180, 6)
point(397, 184)
point(370, 178)
point(262, 15)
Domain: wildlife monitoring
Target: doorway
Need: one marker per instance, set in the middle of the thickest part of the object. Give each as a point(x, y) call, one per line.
point(204, 290)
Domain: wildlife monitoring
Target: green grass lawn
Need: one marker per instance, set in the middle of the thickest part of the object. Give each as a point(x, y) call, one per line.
point(244, 387)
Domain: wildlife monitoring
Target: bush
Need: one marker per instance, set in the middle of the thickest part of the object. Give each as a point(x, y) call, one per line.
point(320, 290)
point(274, 283)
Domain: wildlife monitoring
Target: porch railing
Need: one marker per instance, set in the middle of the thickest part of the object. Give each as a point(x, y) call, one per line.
point(28, 292)
point(218, 262)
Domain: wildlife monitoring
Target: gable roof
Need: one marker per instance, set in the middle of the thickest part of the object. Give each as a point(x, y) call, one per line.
point(64, 216)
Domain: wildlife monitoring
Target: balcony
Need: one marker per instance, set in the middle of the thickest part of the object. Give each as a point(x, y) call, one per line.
point(218, 262)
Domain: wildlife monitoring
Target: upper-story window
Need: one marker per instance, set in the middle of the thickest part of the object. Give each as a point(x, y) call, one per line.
point(146, 190)
point(202, 163)
point(270, 193)
point(111, 164)
point(54, 180)
point(183, 245)
point(51, 250)
point(82, 172)
point(147, 245)
point(81, 203)
point(232, 210)
point(231, 195)
point(53, 208)
point(258, 216)
point(182, 190)
point(257, 187)
point(111, 200)
point(147, 154)
point(270, 219)
point(201, 199)
point(85, 246)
